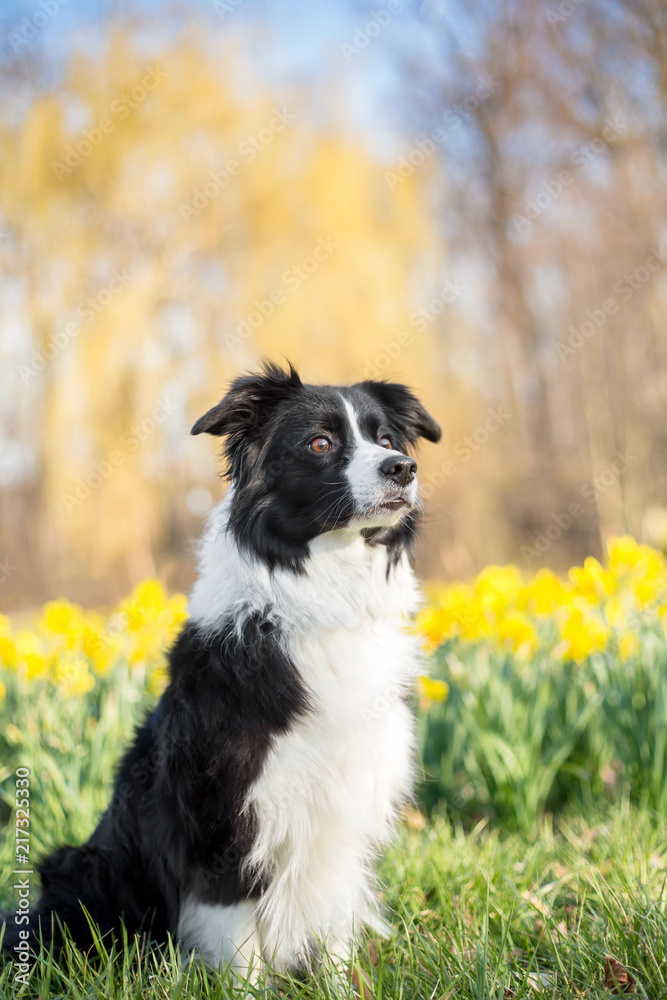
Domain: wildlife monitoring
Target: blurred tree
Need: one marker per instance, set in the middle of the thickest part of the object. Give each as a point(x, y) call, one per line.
point(554, 166)
point(161, 233)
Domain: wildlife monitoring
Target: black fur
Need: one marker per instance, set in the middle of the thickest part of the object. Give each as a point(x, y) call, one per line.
point(175, 823)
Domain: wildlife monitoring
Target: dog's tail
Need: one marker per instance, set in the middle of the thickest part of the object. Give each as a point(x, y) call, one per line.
point(79, 892)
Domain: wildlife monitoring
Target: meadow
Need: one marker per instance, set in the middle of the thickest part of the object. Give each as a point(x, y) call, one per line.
point(535, 863)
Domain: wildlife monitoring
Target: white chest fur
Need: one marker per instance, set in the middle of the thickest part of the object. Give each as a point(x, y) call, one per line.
point(328, 793)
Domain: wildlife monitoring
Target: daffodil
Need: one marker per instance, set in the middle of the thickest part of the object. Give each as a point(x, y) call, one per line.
point(72, 677)
point(434, 625)
point(177, 613)
point(144, 605)
point(592, 581)
point(623, 552)
point(64, 619)
point(498, 587)
point(516, 632)
point(157, 681)
point(31, 659)
point(8, 655)
point(432, 689)
point(582, 634)
point(543, 594)
point(149, 645)
point(110, 652)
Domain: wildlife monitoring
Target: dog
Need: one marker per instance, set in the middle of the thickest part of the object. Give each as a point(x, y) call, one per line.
point(248, 811)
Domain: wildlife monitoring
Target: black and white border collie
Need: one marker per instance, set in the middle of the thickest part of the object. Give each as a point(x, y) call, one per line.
point(248, 811)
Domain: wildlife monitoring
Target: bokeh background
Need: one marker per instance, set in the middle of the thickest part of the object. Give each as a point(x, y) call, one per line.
point(468, 198)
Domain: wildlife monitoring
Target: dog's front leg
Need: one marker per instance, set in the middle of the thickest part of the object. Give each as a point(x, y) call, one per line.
point(222, 937)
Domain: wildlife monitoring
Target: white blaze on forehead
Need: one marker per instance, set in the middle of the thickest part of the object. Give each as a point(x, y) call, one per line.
point(367, 482)
point(354, 421)
point(363, 469)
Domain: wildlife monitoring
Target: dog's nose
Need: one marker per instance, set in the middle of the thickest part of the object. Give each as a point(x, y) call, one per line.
point(400, 468)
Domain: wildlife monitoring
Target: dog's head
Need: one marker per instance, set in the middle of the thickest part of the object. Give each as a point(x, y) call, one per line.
point(307, 459)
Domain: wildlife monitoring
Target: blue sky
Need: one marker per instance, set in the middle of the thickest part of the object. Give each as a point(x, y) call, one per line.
point(302, 41)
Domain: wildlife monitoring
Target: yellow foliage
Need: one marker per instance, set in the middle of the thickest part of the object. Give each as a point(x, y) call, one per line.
point(173, 281)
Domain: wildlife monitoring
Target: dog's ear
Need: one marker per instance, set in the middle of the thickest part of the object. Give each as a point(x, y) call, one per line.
point(242, 413)
point(404, 410)
point(249, 399)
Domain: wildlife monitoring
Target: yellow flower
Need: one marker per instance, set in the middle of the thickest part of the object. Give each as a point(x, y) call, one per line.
point(544, 594)
point(30, 656)
point(582, 634)
point(63, 618)
point(648, 590)
point(35, 664)
point(146, 602)
point(73, 677)
point(7, 651)
point(111, 650)
point(432, 689)
point(432, 626)
point(623, 552)
point(454, 611)
point(498, 587)
point(157, 681)
point(436, 625)
point(592, 581)
point(639, 567)
point(177, 613)
point(516, 632)
point(3, 691)
point(27, 641)
point(92, 642)
point(149, 644)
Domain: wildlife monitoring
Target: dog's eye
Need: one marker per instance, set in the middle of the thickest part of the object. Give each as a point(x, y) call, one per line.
point(320, 445)
point(384, 442)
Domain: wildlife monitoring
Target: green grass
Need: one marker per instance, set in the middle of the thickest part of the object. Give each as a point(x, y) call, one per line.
point(517, 737)
point(475, 915)
point(524, 910)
